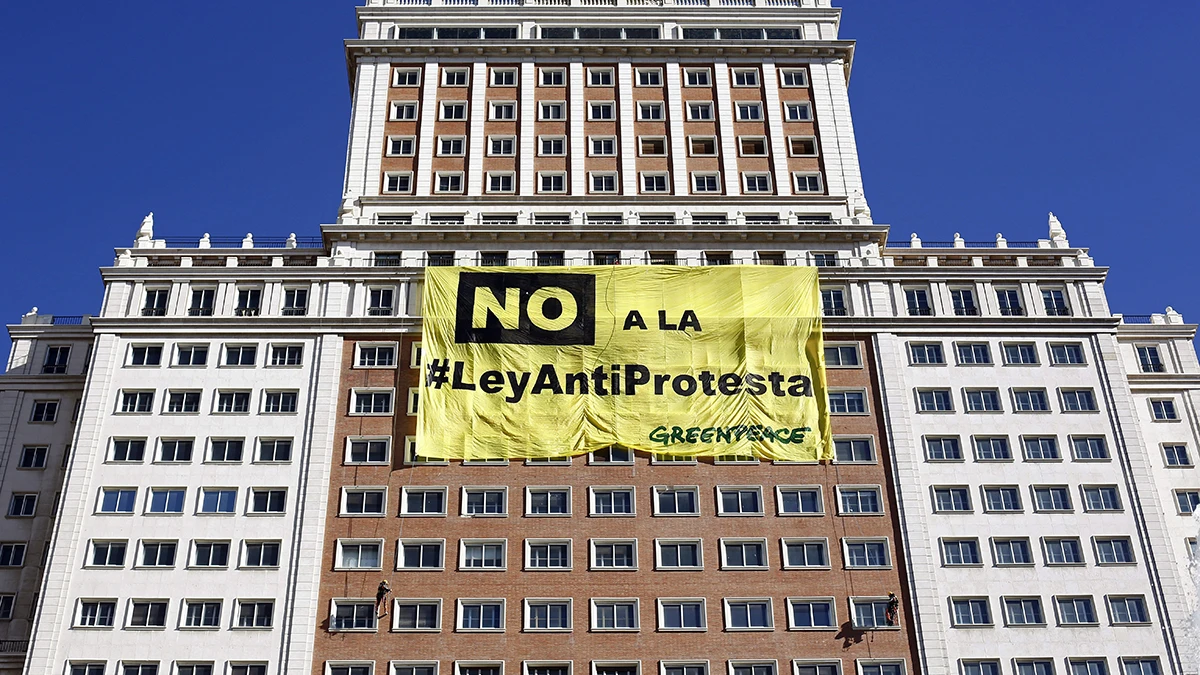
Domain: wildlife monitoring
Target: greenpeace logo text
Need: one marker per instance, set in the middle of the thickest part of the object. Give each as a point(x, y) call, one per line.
point(525, 308)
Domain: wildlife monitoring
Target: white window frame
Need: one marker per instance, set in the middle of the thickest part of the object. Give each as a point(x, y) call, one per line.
point(482, 541)
point(723, 542)
point(526, 616)
point(562, 106)
point(780, 489)
point(798, 175)
point(727, 617)
point(593, 175)
point(560, 72)
point(640, 153)
point(423, 488)
point(785, 72)
point(651, 73)
point(594, 489)
point(542, 541)
point(464, 72)
point(748, 117)
point(646, 111)
point(407, 71)
point(787, 565)
point(501, 137)
point(512, 181)
point(714, 153)
point(388, 175)
point(443, 106)
point(637, 615)
point(412, 140)
point(591, 146)
point(816, 147)
point(791, 624)
point(551, 174)
point(437, 182)
point(403, 541)
point(654, 174)
point(800, 105)
point(592, 543)
point(607, 71)
point(451, 138)
point(660, 616)
point(887, 548)
point(715, 175)
point(459, 615)
point(348, 489)
point(657, 489)
point(339, 562)
point(492, 75)
point(467, 489)
point(707, 77)
point(658, 564)
point(735, 72)
point(530, 489)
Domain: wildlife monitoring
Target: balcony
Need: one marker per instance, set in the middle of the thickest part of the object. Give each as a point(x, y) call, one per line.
point(246, 311)
point(154, 311)
point(1011, 311)
point(1153, 367)
point(1058, 311)
point(920, 311)
point(14, 646)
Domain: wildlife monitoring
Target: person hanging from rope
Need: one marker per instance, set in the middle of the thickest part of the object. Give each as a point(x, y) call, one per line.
point(892, 616)
point(384, 590)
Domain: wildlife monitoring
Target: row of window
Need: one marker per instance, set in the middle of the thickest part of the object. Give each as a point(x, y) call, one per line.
point(203, 554)
point(208, 500)
point(600, 77)
point(1070, 610)
point(986, 399)
point(614, 554)
point(242, 355)
point(219, 450)
point(141, 614)
point(203, 303)
point(224, 401)
point(917, 301)
point(1044, 498)
point(1034, 448)
point(650, 182)
point(602, 111)
point(1017, 551)
point(602, 257)
point(611, 500)
point(608, 614)
point(603, 146)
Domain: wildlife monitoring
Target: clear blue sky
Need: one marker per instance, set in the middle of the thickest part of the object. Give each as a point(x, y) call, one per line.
point(230, 117)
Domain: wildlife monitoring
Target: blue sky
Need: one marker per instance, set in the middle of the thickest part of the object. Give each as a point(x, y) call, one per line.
point(230, 117)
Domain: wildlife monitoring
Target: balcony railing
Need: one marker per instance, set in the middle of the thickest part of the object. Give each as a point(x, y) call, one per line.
point(1153, 368)
point(14, 646)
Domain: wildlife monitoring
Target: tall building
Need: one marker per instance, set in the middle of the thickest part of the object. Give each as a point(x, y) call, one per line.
point(246, 495)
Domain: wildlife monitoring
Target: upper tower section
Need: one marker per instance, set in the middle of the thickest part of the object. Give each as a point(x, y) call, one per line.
point(604, 108)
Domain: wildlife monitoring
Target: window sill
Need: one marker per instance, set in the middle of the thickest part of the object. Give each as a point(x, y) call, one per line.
point(747, 629)
point(422, 515)
point(811, 628)
point(547, 515)
point(546, 569)
point(359, 515)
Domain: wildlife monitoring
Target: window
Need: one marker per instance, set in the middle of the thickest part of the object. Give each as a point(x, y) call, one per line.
point(706, 182)
point(1078, 400)
point(745, 77)
point(552, 182)
point(156, 302)
point(1067, 354)
point(943, 449)
point(973, 354)
point(798, 112)
point(612, 501)
point(241, 355)
point(967, 612)
point(261, 554)
point(1177, 455)
point(676, 501)
point(363, 501)
point(1009, 301)
point(406, 77)
point(951, 499)
point(1149, 360)
point(961, 552)
point(108, 554)
point(983, 400)
point(992, 449)
point(615, 615)
point(916, 301)
point(139, 355)
point(249, 302)
point(870, 613)
point(1051, 498)
point(226, 450)
point(1163, 409)
point(12, 554)
point(739, 501)
point(500, 110)
point(1140, 666)
point(612, 455)
point(853, 450)
point(446, 182)
point(1012, 551)
point(699, 111)
point(97, 614)
point(148, 614)
point(1031, 400)
point(210, 554)
point(1063, 550)
point(749, 112)
point(553, 77)
point(1113, 551)
point(602, 146)
point(702, 146)
point(218, 500)
point(481, 615)
point(553, 111)
point(1023, 354)
point(649, 112)
point(833, 302)
point(246, 669)
point(128, 450)
point(600, 77)
point(112, 500)
point(752, 146)
point(482, 554)
point(793, 78)
point(352, 615)
point(485, 502)
point(1035, 667)
point(743, 554)
point(1075, 611)
point(22, 505)
point(423, 502)
point(842, 356)
point(202, 614)
point(547, 501)
point(1002, 499)
point(604, 182)
point(545, 614)
point(552, 145)
point(372, 402)
point(649, 77)
point(1089, 448)
point(397, 182)
point(287, 355)
point(652, 146)
point(454, 111)
point(1128, 609)
point(504, 77)
point(847, 402)
point(202, 302)
point(926, 353)
point(1023, 612)
point(547, 555)
point(681, 614)
point(417, 554)
point(1041, 448)
point(1055, 302)
point(756, 182)
point(376, 356)
point(280, 401)
point(417, 615)
point(263, 500)
point(166, 500)
point(679, 555)
point(233, 402)
point(1088, 666)
point(501, 146)
point(131, 402)
point(811, 613)
point(400, 146)
point(609, 555)
point(799, 500)
point(859, 500)
point(807, 182)
point(191, 355)
point(866, 553)
point(1101, 498)
point(255, 614)
point(935, 400)
point(802, 146)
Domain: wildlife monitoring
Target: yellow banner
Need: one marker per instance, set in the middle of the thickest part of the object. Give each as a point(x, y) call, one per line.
point(536, 362)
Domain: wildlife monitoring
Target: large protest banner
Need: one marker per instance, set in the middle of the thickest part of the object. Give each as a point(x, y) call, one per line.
point(523, 362)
